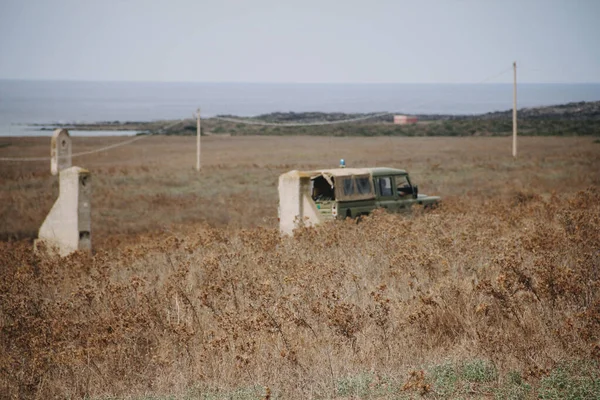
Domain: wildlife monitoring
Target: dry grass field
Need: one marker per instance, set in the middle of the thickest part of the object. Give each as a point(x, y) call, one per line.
point(192, 293)
point(152, 184)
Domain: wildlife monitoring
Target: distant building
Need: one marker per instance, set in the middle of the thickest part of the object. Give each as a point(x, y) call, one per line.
point(404, 119)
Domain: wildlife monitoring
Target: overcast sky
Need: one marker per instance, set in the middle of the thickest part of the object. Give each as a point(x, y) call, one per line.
point(417, 41)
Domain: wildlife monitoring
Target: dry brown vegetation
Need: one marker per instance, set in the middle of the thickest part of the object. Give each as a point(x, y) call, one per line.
point(192, 292)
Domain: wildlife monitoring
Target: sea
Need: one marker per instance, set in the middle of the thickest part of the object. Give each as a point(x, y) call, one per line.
point(33, 108)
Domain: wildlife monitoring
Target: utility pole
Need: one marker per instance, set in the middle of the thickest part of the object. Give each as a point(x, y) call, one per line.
point(514, 148)
point(198, 140)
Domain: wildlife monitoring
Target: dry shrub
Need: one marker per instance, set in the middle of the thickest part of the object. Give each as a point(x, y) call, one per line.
point(515, 283)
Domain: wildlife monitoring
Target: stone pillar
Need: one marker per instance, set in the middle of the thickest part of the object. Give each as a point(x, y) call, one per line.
point(60, 151)
point(67, 228)
point(289, 202)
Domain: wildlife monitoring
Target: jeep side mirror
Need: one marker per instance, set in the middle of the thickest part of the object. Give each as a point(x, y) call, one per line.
point(415, 191)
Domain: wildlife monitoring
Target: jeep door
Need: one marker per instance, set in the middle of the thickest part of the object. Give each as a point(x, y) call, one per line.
point(403, 191)
point(386, 196)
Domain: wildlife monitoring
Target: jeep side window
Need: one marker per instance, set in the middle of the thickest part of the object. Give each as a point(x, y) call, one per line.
point(363, 185)
point(403, 186)
point(348, 186)
point(385, 186)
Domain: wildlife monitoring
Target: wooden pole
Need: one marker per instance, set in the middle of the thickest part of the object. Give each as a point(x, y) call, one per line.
point(514, 148)
point(198, 140)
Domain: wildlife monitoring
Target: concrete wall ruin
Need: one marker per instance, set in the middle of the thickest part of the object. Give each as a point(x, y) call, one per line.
point(296, 207)
point(67, 228)
point(60, 151)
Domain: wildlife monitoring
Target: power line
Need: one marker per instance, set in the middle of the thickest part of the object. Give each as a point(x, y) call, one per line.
point(83, 153)
point(297, 124)
point(490, 78)
point(113, 146)
point(246, 122)
point(343, 121)
point(164, 128)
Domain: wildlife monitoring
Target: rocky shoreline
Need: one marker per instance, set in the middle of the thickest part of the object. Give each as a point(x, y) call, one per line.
point(581, 118)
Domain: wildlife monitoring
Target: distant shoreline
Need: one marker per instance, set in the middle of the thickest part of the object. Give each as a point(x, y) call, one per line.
point(120, 105)
point(579, 118)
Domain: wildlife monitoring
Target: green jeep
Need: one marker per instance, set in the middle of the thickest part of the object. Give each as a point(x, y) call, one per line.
point(352, 192)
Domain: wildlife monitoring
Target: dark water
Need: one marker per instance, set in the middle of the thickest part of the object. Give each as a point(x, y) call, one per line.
point(25, 102)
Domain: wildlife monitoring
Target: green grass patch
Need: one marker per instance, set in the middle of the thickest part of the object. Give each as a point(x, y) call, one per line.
point(576, 380)
point(443, 379)
point(513, 388)
point(478, 371)
point(471, 379)
point(204, 393)
point(369, 386)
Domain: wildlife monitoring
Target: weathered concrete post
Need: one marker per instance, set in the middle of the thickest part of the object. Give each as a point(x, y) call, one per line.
point(514, 149)
point(295, 204)
point(60, 151)
point(67, 227)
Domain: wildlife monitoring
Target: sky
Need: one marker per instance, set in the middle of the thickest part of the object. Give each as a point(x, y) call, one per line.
point(300, 41)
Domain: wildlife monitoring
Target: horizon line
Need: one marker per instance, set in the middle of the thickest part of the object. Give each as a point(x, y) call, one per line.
point(289, 82)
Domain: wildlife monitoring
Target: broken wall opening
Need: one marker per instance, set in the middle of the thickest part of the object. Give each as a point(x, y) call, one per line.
point(323, 189)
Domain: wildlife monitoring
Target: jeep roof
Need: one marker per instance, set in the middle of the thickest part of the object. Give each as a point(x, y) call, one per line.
point(383, 171)
point(377, 171)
